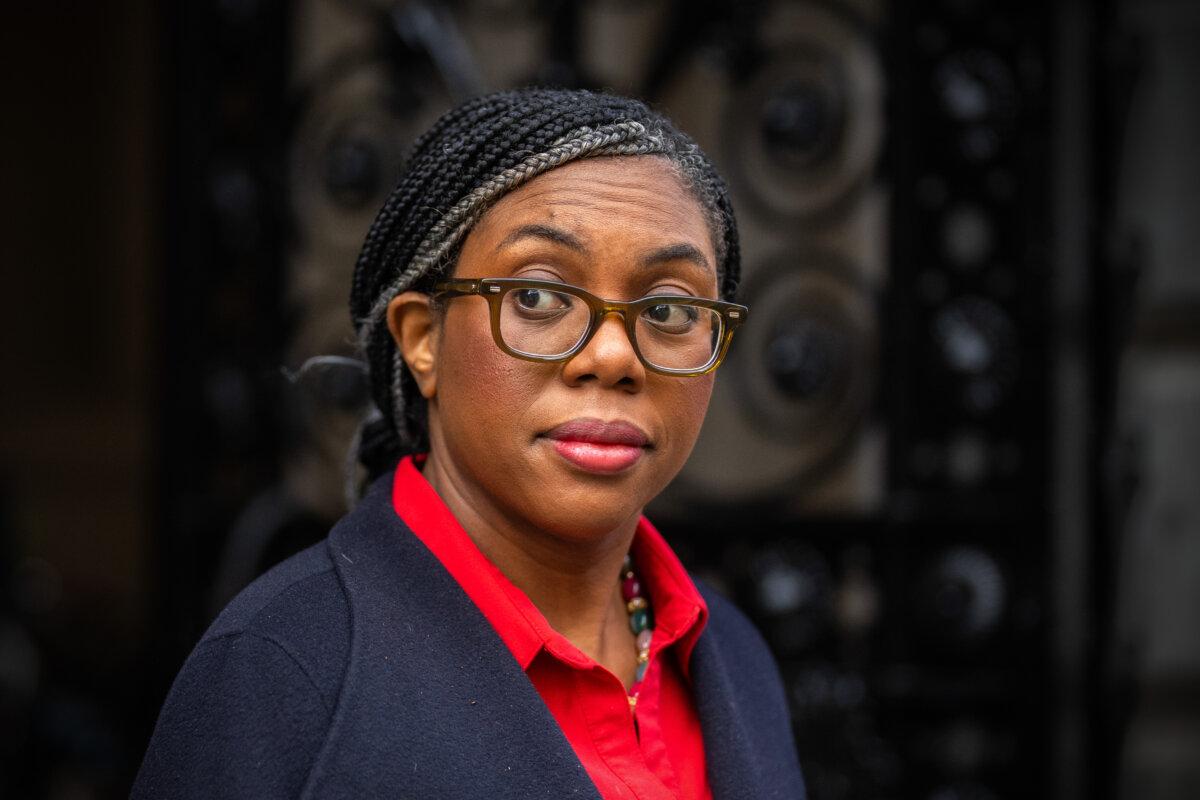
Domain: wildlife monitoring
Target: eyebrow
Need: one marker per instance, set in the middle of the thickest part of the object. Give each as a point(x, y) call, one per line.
point(678, 252)
point(546, 232)
point(681, 251)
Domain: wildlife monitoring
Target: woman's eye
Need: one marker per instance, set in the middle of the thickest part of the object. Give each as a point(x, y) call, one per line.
point(539, 300)
point(671, 316)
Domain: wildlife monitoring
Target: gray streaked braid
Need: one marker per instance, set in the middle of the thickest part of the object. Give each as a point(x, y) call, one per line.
point(472, 156)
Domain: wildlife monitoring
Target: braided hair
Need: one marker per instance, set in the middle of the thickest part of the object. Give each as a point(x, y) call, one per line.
point(472, 156)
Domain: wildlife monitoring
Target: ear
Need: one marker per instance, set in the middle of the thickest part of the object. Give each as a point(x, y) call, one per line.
point(410, 320)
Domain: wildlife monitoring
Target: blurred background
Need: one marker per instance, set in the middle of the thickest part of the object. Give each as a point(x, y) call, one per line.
point(951, 468)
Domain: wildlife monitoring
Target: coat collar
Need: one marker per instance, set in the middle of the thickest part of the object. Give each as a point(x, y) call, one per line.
point(434, 704)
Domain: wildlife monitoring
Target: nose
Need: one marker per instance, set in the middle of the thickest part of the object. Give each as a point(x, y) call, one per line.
point(608, 359)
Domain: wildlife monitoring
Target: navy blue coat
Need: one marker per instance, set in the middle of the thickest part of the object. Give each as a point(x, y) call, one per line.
point(360, 669)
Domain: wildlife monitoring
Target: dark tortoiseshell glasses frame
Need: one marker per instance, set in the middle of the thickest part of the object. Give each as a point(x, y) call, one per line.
point(495, 289)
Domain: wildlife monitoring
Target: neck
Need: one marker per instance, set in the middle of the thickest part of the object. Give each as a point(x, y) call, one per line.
point(574, 584)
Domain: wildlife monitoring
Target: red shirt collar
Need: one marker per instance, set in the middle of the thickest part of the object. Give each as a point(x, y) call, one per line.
point(679, 612)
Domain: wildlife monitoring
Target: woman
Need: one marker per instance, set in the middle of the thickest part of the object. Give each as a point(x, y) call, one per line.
point(538, 304)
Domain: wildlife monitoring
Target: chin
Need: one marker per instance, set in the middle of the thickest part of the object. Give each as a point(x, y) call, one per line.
point(587, 507)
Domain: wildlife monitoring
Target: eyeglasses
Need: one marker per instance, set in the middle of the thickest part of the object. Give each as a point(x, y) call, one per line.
point(548, 321)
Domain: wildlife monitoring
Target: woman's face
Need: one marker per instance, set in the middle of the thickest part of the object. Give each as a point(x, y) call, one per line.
point(515, 431)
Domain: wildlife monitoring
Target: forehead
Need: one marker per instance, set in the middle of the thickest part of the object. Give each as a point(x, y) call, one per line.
point(608, 200)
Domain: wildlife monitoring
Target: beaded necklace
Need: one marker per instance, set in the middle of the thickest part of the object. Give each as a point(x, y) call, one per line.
point(639, 623)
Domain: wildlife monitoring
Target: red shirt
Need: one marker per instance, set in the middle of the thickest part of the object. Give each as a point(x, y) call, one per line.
point(663, 755)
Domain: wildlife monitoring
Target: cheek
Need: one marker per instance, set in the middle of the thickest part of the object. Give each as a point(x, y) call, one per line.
point(685, 409)
point(477, 383)
point(699, 398)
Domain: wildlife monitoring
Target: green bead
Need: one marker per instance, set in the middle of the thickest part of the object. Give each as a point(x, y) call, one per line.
point(638, 620)
point(641, 671)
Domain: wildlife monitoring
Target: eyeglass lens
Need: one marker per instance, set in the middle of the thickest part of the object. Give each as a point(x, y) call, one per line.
point(542, 322)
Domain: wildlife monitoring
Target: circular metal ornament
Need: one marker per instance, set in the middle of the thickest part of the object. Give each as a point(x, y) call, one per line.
point(805, 129)
point(796, 387)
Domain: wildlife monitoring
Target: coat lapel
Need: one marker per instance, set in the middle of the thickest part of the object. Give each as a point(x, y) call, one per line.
point(433, 703)
point(748, 742)
point(732, 773)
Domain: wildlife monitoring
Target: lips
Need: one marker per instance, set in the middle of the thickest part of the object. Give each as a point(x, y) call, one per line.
point(594, 445)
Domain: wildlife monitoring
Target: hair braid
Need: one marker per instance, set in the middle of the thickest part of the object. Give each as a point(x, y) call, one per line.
point(472, 156)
